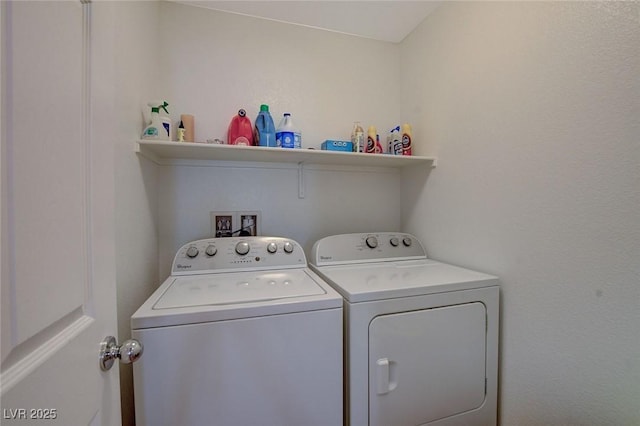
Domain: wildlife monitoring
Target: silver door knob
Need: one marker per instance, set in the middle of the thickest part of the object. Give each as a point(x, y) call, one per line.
point(127, 353)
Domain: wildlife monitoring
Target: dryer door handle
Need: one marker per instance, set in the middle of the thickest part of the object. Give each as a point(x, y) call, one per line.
point(386, 378)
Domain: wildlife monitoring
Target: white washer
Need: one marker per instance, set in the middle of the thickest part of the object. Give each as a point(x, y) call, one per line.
point(241, 333)
point(421, 337)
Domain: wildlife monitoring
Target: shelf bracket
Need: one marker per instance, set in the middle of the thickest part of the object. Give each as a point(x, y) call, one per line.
point(146, 154)
point(301, 180)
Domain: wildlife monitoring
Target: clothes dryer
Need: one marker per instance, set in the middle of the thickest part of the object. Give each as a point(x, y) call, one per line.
point(421, 336)
point(241, 333)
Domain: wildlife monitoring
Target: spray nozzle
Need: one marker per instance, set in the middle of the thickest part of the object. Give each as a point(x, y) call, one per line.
point(156, 108)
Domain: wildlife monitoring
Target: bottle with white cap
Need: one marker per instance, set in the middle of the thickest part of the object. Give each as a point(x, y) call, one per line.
point(357, 137)
point(287, 135)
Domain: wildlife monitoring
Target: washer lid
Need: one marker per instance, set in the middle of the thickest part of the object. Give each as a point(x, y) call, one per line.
point(387, 280)
point(233, 288)
point(216, 297)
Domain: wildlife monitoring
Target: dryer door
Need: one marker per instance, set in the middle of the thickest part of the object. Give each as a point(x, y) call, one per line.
point(426, 365)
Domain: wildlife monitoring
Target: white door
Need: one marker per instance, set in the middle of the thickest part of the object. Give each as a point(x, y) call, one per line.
point(427, 365)
point(58, 273)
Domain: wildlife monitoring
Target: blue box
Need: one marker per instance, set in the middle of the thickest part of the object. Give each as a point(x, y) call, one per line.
point(331, 145)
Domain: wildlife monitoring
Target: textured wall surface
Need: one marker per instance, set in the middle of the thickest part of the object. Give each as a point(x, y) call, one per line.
point(136, 35)
point(533, 112)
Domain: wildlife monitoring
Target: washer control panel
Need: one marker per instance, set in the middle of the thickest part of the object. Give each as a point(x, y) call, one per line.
point(368, 247)
point(213, 255)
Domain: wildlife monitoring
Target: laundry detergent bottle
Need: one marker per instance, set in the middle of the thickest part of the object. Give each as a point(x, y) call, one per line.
point(265, 131)
point(287, 136)
point(240, 130)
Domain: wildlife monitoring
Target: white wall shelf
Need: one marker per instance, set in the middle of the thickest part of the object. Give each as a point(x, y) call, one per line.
point(165, 152)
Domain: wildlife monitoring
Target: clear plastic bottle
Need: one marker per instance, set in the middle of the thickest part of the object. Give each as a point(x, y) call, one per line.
point(265, 131)
point(287, 136)
point(357, 137)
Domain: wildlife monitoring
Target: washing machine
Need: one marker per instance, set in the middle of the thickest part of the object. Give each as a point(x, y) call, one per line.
point(421, 336)
point(241, 333)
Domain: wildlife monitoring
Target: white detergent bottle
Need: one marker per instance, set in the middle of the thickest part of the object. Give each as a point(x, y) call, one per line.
point(287, 135)
point(156, 130)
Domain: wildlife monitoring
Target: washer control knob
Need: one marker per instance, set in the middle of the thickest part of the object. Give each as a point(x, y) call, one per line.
point(288, 247)
point(372, 242)
point(394, 241)
point(272, 247)
point(192, 251)
point(242, 248)
point(211, 250)
point(407, 241)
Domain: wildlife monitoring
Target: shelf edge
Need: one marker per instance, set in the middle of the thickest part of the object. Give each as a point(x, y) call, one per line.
point(305, 157)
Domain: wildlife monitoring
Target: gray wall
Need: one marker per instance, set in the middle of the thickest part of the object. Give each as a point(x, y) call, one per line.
point(533, 111)
point(136, 63)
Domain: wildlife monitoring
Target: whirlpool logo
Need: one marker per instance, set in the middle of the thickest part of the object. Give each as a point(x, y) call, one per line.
point(179, 266)
point(326, 257)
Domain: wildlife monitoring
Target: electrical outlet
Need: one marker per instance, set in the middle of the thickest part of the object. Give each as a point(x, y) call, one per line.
point(234, 224)
point(223, 224)
point(250, 223)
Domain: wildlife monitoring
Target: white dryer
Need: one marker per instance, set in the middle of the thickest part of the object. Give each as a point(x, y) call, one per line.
point(421, 337)
point(241, 333)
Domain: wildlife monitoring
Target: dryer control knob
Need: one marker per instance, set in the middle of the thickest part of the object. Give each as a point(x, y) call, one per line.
point(242, 248)
point(211, 250)
point(192, 251)
point(394, 241)
point(407, 241)
point(372, 242)
point(288, 247)
point(272, 247)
